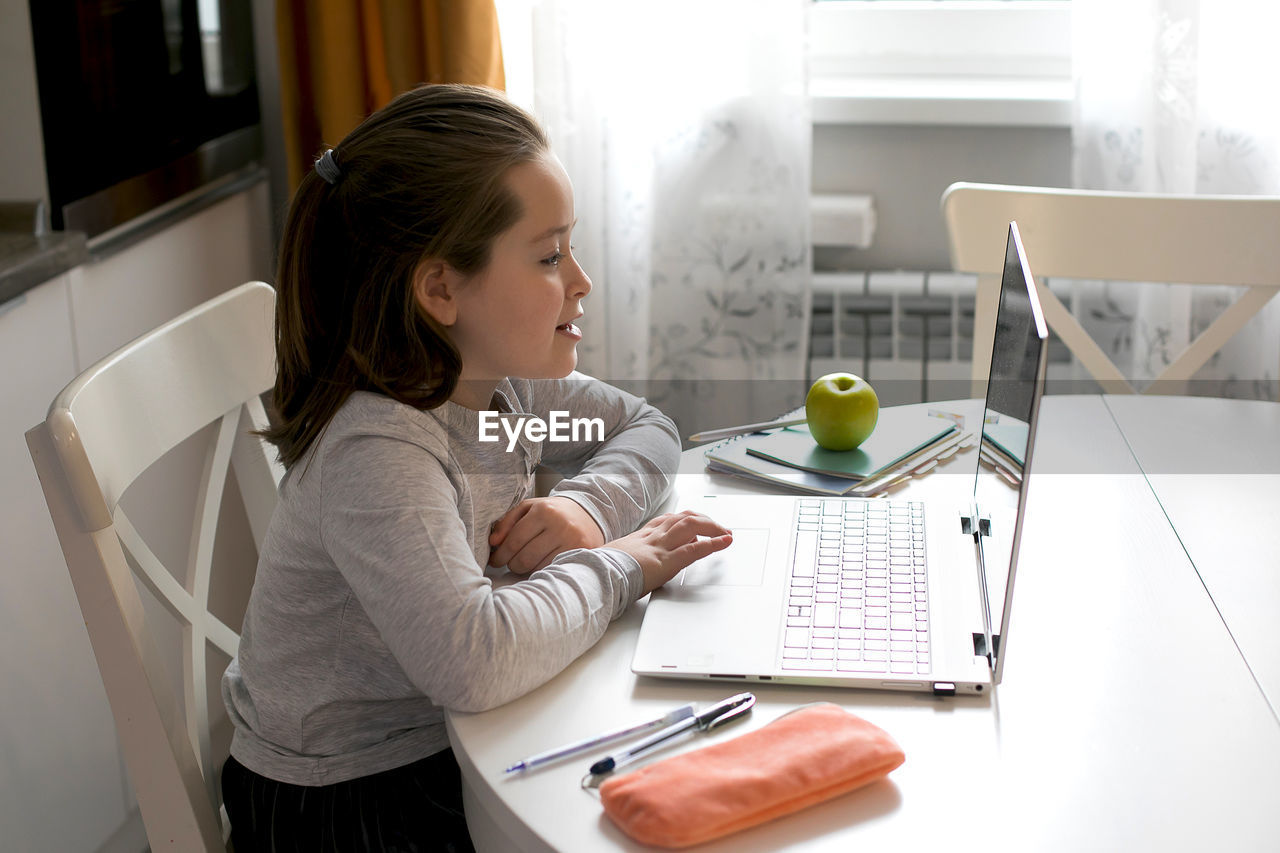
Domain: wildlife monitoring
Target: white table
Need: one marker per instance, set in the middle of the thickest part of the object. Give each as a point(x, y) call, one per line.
point(1128, 718)
point(1214, 465)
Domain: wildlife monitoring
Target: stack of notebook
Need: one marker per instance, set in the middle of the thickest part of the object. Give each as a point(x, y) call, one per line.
point(906, 442)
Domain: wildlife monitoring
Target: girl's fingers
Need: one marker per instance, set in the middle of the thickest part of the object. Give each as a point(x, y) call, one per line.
point(514, 541)
point(699, 548)
point(537, 554)
point(689, 526)
point(503, 525)
point(681, 519)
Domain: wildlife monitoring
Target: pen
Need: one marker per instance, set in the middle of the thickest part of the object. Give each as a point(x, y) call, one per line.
point(682, 713)
point(715, 716)
point(727, 432)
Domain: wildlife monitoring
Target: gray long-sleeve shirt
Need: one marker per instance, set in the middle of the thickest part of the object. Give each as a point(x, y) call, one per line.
point(372, 610)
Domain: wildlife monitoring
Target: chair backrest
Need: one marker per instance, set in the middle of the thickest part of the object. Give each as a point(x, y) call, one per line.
point(1116, 236)
point(198, 377)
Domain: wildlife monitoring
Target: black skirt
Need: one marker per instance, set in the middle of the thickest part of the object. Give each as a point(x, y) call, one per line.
point(417, 807)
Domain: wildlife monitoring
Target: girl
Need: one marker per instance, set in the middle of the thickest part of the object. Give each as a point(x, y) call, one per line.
point(425, 265)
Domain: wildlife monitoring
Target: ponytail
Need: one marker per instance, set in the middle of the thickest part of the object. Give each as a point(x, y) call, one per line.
point(422, 178)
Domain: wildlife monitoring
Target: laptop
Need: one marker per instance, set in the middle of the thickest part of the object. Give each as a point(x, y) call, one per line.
point(887, 594)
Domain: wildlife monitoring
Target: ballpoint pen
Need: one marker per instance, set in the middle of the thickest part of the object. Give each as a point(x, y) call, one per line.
point(714, 717)
point(728, 432)
point(684, 712)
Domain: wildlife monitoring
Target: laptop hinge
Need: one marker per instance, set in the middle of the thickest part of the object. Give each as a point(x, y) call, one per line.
point(976, 524)
point(980, 644)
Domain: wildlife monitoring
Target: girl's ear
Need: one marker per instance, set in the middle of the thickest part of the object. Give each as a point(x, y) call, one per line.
point(435, 287)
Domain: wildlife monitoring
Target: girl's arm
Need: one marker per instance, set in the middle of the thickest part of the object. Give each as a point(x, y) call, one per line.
point(623, 478)
point(390, 521)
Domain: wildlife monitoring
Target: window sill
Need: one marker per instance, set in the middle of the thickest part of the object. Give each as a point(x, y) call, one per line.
point(941, 101)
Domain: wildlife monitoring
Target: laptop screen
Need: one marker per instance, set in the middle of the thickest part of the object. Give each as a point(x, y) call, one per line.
point(1014, 388)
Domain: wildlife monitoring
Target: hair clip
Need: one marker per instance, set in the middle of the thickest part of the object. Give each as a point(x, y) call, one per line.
point(327, 167)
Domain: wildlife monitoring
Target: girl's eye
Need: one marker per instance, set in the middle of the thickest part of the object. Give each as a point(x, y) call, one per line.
point(554, 260)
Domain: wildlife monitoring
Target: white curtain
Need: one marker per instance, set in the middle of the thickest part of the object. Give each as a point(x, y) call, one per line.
point(684, 127)
point(1178, 96)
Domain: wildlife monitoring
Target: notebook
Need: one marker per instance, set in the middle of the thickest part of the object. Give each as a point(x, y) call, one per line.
point(899, 434)
point(733, 456)
point(883, 594)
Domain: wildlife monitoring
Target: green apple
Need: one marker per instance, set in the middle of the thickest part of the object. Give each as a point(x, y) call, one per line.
point(841, 410)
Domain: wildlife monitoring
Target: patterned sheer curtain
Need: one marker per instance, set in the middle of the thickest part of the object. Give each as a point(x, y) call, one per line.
point(685, 129)
point(1178, 96)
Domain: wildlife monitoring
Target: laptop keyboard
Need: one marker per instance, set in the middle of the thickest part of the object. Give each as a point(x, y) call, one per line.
point(858, 602)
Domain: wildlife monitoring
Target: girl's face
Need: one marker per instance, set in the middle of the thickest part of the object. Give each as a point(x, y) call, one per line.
point(515, 317)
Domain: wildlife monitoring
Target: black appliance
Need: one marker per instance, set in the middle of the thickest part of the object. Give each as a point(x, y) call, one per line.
point(141, 102)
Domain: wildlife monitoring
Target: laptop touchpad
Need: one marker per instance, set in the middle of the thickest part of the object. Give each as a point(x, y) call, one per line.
point(741, 564)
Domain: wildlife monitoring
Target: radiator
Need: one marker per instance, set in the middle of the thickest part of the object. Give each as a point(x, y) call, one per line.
point(910, 334)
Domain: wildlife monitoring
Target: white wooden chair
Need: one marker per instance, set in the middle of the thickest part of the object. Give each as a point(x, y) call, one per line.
point(198, 376)
point(1115, 236)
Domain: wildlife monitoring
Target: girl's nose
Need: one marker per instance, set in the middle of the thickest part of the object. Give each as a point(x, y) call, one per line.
point(579, 284)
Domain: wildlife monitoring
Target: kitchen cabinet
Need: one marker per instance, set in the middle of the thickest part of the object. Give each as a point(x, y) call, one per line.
point(63, 785)
point(61, 782)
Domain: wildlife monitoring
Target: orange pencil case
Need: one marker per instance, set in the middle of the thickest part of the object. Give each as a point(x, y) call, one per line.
point(798, 760)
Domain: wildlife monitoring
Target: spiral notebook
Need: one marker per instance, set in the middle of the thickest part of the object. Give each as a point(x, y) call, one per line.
point(900, 434)
point(734, 456)
point(917, 450)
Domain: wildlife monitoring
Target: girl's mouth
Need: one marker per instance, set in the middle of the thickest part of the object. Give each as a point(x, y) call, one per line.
point(569, 330)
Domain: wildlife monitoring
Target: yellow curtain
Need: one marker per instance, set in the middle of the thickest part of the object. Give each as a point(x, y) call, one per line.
point(342, 59)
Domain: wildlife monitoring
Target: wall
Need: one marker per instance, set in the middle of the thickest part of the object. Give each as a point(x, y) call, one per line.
point(906, 168)
point(878, 321)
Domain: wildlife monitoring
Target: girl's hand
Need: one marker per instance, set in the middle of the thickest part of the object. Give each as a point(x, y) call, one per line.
point(531, 535)
point(670, 542)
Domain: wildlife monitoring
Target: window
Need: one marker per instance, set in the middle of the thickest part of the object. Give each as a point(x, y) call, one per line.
point(941, 61)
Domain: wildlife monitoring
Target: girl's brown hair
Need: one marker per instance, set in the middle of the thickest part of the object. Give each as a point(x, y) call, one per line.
point(424, 177)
